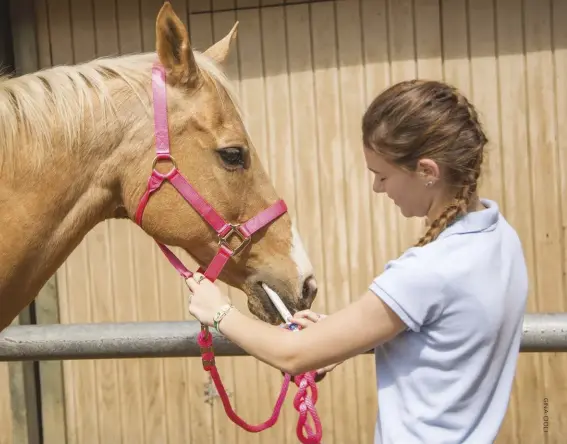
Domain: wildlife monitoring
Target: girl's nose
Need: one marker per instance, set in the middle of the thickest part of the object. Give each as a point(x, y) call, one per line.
point(378, 188)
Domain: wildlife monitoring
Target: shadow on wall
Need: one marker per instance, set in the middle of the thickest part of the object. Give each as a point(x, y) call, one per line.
point(6, 48)
point(300, 36)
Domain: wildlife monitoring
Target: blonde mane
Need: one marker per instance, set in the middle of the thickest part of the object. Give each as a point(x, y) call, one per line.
point(46, 108)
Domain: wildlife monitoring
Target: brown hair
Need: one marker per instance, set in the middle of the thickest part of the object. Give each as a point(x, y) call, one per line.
point(419, 119)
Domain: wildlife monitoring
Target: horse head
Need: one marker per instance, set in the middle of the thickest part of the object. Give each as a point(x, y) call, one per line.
point(209, 145)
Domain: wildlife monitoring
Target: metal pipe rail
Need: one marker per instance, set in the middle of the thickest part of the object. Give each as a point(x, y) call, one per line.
point(542, 332)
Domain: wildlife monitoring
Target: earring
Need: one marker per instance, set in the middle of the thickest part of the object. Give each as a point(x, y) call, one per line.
point(428, 184)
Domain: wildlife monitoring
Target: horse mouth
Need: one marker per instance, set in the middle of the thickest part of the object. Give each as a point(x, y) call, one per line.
point(261, 306)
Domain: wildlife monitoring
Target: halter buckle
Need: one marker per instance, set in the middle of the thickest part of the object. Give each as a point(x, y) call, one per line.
point(223, 240)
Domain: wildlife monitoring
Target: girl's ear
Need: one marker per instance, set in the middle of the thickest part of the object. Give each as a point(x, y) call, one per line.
point(429, 170)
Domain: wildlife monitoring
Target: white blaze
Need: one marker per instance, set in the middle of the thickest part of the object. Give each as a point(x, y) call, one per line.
point(304, 269)
point(299, 256)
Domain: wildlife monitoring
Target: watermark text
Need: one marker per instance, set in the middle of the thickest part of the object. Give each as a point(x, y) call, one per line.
point(545, 415)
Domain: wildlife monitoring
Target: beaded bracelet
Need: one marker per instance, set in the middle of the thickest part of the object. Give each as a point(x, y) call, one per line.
point(223, 311)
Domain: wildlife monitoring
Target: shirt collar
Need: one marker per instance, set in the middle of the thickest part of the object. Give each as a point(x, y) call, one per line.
point(477, 221)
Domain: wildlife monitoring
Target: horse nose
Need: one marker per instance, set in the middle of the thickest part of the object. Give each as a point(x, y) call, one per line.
point(309, 291)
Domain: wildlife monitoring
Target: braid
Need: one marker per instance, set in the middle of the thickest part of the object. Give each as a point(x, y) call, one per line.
point(461, 203)
point(443, 221)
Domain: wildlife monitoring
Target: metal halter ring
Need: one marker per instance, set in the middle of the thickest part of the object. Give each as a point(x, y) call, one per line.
point(164, 157)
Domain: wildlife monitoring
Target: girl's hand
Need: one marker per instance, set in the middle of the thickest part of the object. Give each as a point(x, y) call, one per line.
point(206, 298)
point(305, 318)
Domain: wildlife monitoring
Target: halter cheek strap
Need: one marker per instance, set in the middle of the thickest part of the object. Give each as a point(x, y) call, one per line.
point(224, 229)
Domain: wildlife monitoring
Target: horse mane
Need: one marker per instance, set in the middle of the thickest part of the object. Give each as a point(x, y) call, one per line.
point(42, 109)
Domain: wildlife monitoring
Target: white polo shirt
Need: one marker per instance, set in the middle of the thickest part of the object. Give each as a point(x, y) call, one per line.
point(447, 379)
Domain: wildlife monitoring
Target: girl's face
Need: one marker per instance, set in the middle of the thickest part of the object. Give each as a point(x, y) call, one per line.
point(413, 192)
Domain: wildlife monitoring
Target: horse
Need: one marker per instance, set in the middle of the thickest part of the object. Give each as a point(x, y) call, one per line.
point(77, 147)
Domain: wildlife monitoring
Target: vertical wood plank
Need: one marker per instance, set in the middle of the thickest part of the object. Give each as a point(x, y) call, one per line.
point(6, 422)
point(359, 236)
point(376, 37)
point(18, 382)
point(72, 41)
point(43, 35)
point(205, 30)
point(51, 375)
point(24, 36)
point(428, 40)
point(455, 44)
point(18, 395)
point(555, 389)
point(307, 172)
point(377, 77)
point(24, 401)
point(547, 204)
point(130, 384)
point(403, 67)
point(100, 263)
point(328, 163)
point(484, 95)
point(7, 30)
point(517, 193)
point(146, 259)
point(253, 96)
point(179, 392)
point(14, 413)
point(281, 159)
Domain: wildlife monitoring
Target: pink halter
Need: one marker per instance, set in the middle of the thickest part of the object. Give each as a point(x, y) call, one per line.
point(224, 229)
point(302, 402)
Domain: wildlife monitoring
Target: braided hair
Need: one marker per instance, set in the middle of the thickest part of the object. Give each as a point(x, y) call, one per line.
point(419, 119)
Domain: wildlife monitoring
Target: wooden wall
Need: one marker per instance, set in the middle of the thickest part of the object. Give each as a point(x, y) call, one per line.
point(305, 73)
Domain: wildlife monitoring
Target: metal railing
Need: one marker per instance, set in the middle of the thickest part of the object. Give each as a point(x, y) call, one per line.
point(542, 332)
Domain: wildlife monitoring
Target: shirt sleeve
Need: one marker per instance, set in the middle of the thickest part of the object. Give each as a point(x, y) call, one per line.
point(412, 288)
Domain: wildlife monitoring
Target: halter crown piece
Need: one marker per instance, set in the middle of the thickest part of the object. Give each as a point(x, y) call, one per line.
point(303, 402)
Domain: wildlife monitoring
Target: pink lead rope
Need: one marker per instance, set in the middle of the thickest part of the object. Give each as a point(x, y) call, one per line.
point(304, 402)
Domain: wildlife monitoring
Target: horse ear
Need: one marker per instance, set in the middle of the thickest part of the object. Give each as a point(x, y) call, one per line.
point(220, 49)
point(173, 47)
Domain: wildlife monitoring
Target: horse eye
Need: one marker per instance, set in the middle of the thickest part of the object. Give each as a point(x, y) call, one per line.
point(232, 157)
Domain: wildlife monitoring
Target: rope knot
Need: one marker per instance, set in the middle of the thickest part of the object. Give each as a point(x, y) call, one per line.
point(205, 338)
point(304, 402)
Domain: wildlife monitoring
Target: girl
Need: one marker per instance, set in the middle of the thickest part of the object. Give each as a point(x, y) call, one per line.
point(445, 318)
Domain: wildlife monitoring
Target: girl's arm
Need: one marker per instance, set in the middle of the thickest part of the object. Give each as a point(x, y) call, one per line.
point(355, 329)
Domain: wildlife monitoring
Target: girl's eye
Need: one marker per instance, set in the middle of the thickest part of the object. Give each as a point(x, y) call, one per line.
point(232, 157)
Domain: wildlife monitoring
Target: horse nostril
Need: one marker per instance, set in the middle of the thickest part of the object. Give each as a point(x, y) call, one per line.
point(309, 289)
